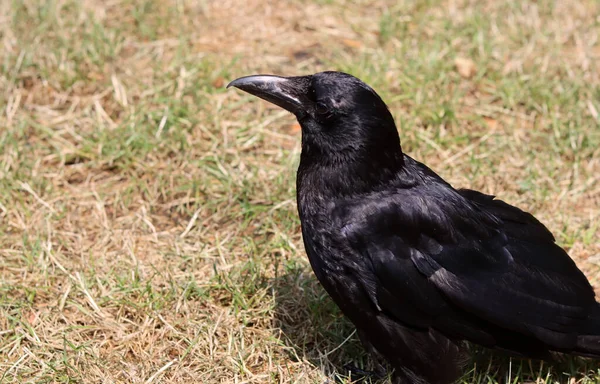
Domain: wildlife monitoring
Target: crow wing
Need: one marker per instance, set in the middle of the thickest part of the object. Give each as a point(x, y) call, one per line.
point(469, 265)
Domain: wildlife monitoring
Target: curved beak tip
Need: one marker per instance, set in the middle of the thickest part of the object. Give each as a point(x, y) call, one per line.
point(247, 80)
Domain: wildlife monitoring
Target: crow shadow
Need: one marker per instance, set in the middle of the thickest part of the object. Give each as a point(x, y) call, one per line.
point(314, 330)
point(312, 326)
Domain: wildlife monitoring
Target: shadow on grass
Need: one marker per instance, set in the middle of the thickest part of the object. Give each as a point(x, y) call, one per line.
point(315, 330)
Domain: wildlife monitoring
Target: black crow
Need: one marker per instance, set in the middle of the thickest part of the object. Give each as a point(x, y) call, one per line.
point(418, 266)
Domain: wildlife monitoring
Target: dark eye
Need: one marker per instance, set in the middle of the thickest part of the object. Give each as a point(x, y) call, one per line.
point(321, 108)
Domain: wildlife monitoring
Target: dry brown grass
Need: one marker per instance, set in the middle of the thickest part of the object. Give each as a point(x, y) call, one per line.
point(148, 230)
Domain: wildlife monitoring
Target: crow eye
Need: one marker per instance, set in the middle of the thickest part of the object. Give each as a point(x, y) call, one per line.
point(321, 108)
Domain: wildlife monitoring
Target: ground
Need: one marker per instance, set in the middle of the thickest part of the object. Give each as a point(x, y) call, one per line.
point(148, 227)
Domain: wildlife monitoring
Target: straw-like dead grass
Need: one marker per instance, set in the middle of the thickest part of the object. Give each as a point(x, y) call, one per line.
point(148, 230)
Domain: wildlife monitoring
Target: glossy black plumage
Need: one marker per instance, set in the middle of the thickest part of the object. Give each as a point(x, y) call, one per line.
point(415, 264)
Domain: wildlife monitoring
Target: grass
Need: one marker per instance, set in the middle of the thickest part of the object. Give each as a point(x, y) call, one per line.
point(148, 229)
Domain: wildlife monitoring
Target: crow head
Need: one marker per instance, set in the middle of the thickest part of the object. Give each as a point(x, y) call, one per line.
point(342, 118)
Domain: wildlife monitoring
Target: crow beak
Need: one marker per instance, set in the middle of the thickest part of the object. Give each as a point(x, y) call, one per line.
point(290, 93)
